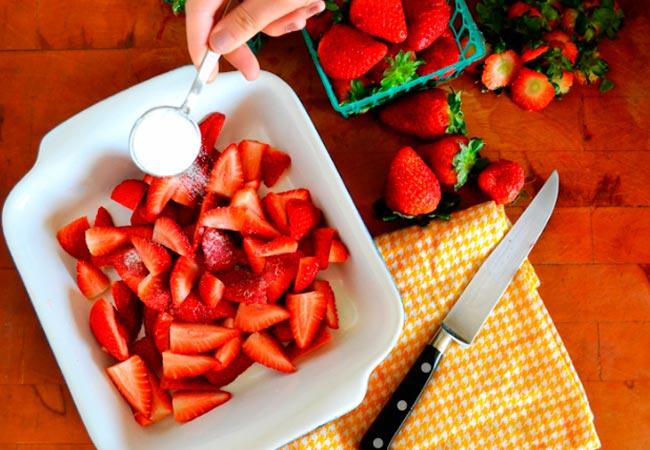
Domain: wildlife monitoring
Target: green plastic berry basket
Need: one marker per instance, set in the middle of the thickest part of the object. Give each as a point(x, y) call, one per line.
point(464, 30)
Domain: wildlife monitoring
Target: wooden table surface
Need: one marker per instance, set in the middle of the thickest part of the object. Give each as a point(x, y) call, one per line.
point(57, 58)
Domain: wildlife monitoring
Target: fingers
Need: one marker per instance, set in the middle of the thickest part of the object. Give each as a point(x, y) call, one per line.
point(199, 21)
point(295, 20)
point(245, 61)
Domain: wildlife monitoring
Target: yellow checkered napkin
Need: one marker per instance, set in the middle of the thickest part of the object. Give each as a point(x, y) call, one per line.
point(513, 388)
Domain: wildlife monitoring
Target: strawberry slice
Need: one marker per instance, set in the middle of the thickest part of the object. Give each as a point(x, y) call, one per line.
point(72, 238)
point(274, 163)
point(129, 267)
point(186, 384)
point(161, 404)
point(323, 238)
point(92, 281)
point(145, 348)
point(210, 289)
point(243, 286)
point(303, 217)
point(103, 218)
point(322, 337)
point(192, 182)
point(307, 311)
point(307, 270)
point(177, 366)
point(154, 292)
point(331, 313)
point(252, 318)
point(108, 330)
point(255, 225)
point(193, 310)
point(159, 194)
point(142, 231)
point(227, 174)
point(224, 218)
point(210, 201)
point(500, 69)
point(223, 376)
point(129, 308)
point(261, 347)
point(149, 319)
point(282, 331)
point(139, 215)
point(129, 193)
point(131, 377)
point(277, 246)
point(251, 154)
point(275, 206)
point(182, 279)
point(153, 255)
point(219, 250)
point(279, 274)
point(229, 351)
point(247, 198)
point(210, 129)
point(251, 248)
point(171, 235)
point(338, 252)
point(161, 328)
point(193, 338)
point(104, 240)
point(189, 405)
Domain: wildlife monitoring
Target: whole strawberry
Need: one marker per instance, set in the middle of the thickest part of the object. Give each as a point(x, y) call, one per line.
point(380, 18)
point(426, 114)
point(411, 187)
point(427, 21)
point(502, 181)
point(346, 53)
point(442, 53)
point(452, 158)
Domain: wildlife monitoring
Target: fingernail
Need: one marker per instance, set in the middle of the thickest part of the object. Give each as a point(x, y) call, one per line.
point(221, 41)
point(316, 7)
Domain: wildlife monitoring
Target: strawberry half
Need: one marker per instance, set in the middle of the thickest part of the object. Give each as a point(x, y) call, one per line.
point(104, 240)
point(255, 225)
point(261, 347)
point(145, 348)
point(191, 183)
point(275, 206)
point(278, 246)
point(161, 405)
point(243, 286)
point(274, 164)
point(210, 128)
point(131, 377)
point(72, 238)
point(279, 273)
point(247, 198)
point(251, 248)
point(154, 292)
point(153, 255)
point(307, 311)
point(322, 337)
point(189, 405)
point(129, 308)
point(92, 281)
point(193, 310)
point(177, 366)
point(323, 238)
point(129, 267)
point(227, 174)
point(307, 270)
point(251, 154)
point(331, 313)
point(161, 328)
point(210, 289)
point(223, 376)
point(182, 279)
point(224, 218)
point(159, 194)
point(252, 318)
point(500, 69)
point(171, 235)
point(103, 218)
point(531, 90)
point(108, 330)
point(219, 250)
point(229, 351)
point(303, 217)
point(129, 193)
point(193, 338)
point(338, 252)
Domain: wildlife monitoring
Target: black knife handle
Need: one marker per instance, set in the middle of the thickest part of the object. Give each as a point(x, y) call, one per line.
point(397, 409)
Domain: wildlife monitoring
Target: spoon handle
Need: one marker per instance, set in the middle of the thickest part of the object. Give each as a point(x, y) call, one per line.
point(209, 63)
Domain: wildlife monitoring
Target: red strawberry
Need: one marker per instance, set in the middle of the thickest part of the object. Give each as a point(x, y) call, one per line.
point(139, 216)
point(161, 405)
point(331, 313)
point(274, 164)
point(177, 366)
point(302, 216)
point(427, 21)
point(182, 279)
point(530, 54)
point(307, 311)
point(193, 310)
point(426, 114)
point(452, 158)
point(243, 286)
point(317, 25)
point(338, 252)
point(282, 331)
point(149, 318)
point(72, 238)
point(153, 255)
point(92, 281)
point(261, 347)
point(247, 198)
point(227, 353)
point(277, 246)
point(569, 16)
point(519, 9)
point(411, 187)
point(186, 384)
point(131, 378)
point(104, 240)
point(129, 193)
point(322, 245)
point(129, 308)
point(145, 348)
point(531, 90)
point(279, 273)
point(252, 247)
point(210, 201)
point(442, 53)
point(193, 338)
point(307, 270)
point(251, 153)
point(192, 182)
point(230, 218)
point(161, 328)
point(500, 69)
point(254, 225)
point(223, 376)
point(171, 235)
point(108, 330)
point(129, 267)
point(275, 206)
point(219, 250)
point(562, 40)
point(159, 194)
point(103, 218)
point(189, 405)
point(322, 337)
point(210, 128)
point(210, 289)
point(346, 53)
point(252, 318)
point(502, 181)
point(146, 178)
point(142, 231)
point(154, 292)
point(227, 174)
point(564, 83)
point(381, 18)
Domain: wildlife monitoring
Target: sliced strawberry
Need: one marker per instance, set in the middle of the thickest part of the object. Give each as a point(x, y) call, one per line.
point(307, 270)
point(322, 337)
point(186, 218)
point(247, 198)
point(530, 54)
point(219, 250)
point(193, 338)
point(275, 206)
point(182, 279)
point(243, 286)
point(282, 331)
point(161, 328)
point(177, 366)
point(129, 193)
point(147, 178)
point(279, 273)
point(104, 261)
point(153, 255)
point(145, 348)
point(171, 235)
point(104, 240)
point(139, 215)
point(210, 129)
point(228, 322)
point(307, 311)
point(227, 353)
point(210, 201)
point(189, 405)
point(142, 231)
point(255, 225)
point(227, 174)
point(323, 238)
point(500, 69)
point(302, 216)
point(251, 154)
point(251, 248)
point(306, 246)
point(186, 384)
point(224, 218)
point(195, 311)
point(210, 289)
point(223, 376)
point(161, 405)
point(153, 290)
point(92, 281)
point(108, 330)
point(338, 252)
point(191, 183)
point(103, 218)
point(278, 246)
point(331, 313)
point(261, 347)
point(274, 163)
point(159, 194)
point(149, 319)
point(129, 308)
point(131, 378)
point(129, 267)
point(252, 318)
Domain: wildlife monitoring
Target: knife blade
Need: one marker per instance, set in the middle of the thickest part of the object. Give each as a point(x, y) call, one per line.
point(465, 319)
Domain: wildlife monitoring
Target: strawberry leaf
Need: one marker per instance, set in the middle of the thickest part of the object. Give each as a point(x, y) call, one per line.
point(449, 203)
point(401, 69)
point(178, 6)
point(465, 160)
point(456, 118)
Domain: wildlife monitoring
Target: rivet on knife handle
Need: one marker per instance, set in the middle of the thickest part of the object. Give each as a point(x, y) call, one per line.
point(397, 409)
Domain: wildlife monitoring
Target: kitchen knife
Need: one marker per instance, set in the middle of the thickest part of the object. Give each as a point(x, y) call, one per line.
point(467, 316)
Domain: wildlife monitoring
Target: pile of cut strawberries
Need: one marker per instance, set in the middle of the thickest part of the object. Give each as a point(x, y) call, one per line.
point(213, 278)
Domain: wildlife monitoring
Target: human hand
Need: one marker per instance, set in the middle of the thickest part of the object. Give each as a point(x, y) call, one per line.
point(228, 37)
